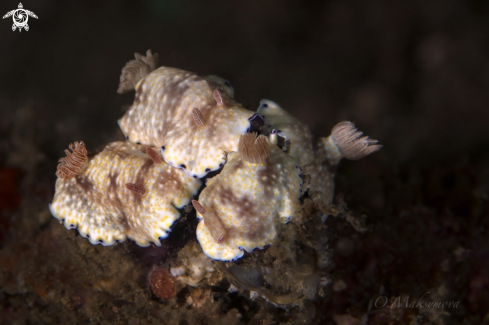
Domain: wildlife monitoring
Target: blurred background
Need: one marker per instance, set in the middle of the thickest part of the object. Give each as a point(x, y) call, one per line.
point(413, 74)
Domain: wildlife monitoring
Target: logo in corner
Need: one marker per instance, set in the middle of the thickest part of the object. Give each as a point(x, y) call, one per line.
point(20, 17)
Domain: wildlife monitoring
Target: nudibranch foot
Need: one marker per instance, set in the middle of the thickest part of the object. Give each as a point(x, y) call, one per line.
point(135, 70)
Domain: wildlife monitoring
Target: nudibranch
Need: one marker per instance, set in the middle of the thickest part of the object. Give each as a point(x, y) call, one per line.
point(127, 190)
point(291, 129)
point(193, 119)
point(239, 208)
point(321, 157)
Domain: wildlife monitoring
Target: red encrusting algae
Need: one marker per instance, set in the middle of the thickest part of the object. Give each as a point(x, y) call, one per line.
point(162, 283)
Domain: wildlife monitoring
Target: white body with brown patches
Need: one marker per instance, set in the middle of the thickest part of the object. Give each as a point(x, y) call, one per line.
point(163, 115)
point(291, 128)
point(249, 199)
point(100, 203)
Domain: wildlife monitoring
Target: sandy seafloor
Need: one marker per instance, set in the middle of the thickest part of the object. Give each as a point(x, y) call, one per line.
point(413, 74)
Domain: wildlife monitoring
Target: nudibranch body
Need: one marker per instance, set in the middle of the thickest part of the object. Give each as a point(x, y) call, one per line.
point(345, 141)
point(126, 190)
point(259, 186)
point(193, 119)
point(291, 129)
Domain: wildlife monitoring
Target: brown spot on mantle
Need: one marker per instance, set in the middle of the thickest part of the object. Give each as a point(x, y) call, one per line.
point(245, 209)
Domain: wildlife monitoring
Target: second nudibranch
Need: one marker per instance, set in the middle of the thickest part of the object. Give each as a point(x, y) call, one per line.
point(259, 186)
point(126, 190)
point(193, 119)
point(345, 141)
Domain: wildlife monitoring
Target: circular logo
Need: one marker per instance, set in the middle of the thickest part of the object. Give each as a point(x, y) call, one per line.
point(20, 17)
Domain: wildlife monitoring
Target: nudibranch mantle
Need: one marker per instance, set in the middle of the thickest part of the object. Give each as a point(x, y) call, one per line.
point(162, 115)
point(249, 199)
point(121, 192)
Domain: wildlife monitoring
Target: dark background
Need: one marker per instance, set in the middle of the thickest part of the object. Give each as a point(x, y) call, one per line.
point(413, 74)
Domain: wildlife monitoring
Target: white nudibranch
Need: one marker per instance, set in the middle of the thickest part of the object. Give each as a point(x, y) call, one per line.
point(258, 187)
point(194, 118)
point(122, 192)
